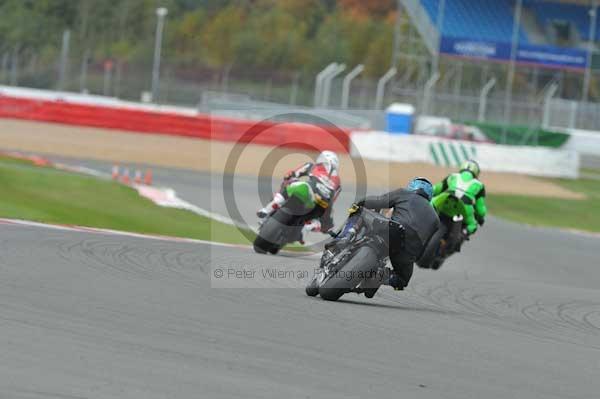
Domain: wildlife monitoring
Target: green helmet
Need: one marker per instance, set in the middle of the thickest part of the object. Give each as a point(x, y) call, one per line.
point(471, 166)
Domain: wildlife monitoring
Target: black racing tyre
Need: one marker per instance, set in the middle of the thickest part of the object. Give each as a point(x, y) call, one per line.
point(261, 246)
point(312, 289)
point(350, 275)
point(437, 263)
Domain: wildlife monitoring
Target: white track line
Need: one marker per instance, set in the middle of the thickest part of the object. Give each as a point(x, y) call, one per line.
point(83, 229)
point(95, 230)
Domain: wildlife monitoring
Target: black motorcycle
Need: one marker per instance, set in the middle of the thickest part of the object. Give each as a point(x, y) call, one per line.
point(451, 239)
point(357, 261)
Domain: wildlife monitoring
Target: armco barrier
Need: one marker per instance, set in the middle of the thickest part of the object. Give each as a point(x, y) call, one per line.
point(534, 161)
point(285, 134)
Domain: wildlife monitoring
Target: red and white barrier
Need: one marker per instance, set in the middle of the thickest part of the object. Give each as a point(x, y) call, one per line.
point(48, 106)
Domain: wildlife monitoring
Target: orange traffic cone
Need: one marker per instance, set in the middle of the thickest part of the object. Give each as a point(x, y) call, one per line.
point(148, 177)
point(138, 177)
point(115, 172)
point(125, 177)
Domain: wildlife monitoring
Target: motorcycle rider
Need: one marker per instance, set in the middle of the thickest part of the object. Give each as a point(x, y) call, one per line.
point(326, 170)
point(465, 186)
point(412, 209)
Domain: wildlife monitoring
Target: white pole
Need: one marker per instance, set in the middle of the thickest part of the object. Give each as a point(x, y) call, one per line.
point(161, 13)
point(547, 97)
point(440, 26)
point(14, 67)
point(511, 68)
point(319, 82)
point(5, 60)
point(588, 65)
point(327, 83)
point(483, 98)
point(396, 48)
point(83, 75)
point(346, 84)
point(64, 60)
point(427, 92)
point(108, 65)
point(573, 115)
point(381, 86)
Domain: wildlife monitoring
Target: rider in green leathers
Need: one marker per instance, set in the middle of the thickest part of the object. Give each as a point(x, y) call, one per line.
point(458, 194)
point(465, 186)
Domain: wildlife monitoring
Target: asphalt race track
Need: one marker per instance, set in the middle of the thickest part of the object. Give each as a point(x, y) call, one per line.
point(88, 315)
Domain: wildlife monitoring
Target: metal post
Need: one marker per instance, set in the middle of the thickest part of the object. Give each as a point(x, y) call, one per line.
point(83, 75)
point(381, 86)
point(327, 83)
point(573, 115)
point(483, 98)
point(225, 78)
point(14, 67)
point(64, 60)
point(458, 80)
point(319, 82)
point(161, 13)
point(346, 84)
point(5, 59)
point(108, 66)
point(511, 68)
point(396, 49)
point(118, 75)
point(547, 97)
point(588, 65)
point(427, 92)
point(294, 90)
point(440, 26)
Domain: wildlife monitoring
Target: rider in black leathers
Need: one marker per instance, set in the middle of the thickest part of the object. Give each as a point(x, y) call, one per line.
point(411, 208)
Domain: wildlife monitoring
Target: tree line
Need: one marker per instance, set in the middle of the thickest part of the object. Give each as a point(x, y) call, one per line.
point(284, 36)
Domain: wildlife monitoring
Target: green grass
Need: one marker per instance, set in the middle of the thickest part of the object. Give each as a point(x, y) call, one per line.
point(53, 196)
point(576, 214)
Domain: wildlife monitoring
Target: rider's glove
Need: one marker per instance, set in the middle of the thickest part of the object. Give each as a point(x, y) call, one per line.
point(290, 175)
point(353, 209)
point(313, 225)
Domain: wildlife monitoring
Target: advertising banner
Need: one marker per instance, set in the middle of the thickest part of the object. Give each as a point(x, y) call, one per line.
point(548, 56)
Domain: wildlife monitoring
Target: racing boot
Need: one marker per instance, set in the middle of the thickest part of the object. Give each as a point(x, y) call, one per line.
point(271, 207)
point(396, 282)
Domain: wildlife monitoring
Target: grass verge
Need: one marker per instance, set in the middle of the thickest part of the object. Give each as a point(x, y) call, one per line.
point(575, 214)
point(52, 196)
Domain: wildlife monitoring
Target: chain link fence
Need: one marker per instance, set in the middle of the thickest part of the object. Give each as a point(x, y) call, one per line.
point(456, 94)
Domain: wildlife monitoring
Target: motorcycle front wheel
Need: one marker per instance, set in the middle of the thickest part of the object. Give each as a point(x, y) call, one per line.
point(362, 264)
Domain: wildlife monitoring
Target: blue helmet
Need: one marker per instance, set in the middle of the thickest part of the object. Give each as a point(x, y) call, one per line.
point(421, 186)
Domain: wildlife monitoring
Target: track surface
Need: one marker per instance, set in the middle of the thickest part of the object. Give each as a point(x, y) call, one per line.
point(517, 314)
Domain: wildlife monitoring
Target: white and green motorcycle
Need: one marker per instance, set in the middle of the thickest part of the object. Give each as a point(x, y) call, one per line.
point(307, 199)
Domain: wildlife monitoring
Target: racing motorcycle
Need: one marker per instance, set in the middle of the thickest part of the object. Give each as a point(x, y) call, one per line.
point(308, 198)
point(451, 234)
point(357, 262)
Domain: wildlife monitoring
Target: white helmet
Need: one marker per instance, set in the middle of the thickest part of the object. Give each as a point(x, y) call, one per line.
point(329, 158)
